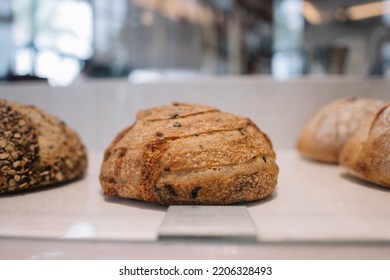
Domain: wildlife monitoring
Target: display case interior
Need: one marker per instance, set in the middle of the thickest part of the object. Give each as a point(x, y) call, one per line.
point(317, 208)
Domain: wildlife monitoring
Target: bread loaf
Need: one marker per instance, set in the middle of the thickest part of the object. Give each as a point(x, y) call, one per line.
point(36, 149)
point(325, 134)
point(189, 154)
point(367, 153)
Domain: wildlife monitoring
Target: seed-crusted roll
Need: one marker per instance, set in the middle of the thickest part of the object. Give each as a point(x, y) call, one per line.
point(189, 154)
point(325, 134)
point(367, 153)
point(36, 149)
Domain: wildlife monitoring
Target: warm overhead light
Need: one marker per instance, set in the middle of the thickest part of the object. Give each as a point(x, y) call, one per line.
point(311, 13)
point(369, 10)
point(179, 9)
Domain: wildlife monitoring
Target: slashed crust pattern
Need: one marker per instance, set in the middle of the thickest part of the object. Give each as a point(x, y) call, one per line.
point(189, 154)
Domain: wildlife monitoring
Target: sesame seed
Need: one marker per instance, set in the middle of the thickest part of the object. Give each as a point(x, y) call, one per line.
point(17, 178)
point(4, 155)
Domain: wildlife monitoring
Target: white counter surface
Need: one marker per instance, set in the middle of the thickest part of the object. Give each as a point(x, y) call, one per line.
point(317, 211)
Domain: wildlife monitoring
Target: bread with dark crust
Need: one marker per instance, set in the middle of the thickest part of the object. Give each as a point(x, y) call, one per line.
point(326, 133)
point(36, 149)
point(367, 153)
point(189, 154)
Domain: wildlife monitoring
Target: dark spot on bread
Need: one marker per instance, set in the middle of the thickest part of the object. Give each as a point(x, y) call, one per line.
point(121, 152)
point(170, 189)
point(194, 192)
point(25, 179)
point(156, 189)
point(245, 184)
point(159, 134)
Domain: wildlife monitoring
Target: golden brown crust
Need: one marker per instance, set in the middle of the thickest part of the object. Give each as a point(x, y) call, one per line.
point(325, 134)
point(367, 153)
point(36, 149)
point(189, 154)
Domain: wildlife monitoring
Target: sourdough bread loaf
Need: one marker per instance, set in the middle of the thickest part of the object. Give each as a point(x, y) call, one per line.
point(367, 153)
point(36, 149)
point(326, 133)
point(189, 154)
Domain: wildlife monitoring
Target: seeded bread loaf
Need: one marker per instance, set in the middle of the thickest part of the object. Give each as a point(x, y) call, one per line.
point(367, 153)
point(189, 154)
point(36, 149)
point(325, 134)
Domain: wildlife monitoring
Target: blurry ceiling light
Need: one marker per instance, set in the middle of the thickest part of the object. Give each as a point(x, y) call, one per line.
point(147, 18)
point(369, 10)
point(179, 9)
point(311, 13)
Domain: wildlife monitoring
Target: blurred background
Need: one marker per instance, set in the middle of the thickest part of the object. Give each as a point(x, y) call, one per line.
point(65, 41)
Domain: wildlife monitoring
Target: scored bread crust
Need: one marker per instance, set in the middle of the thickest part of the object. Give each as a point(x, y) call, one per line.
point(36, 149)
point(189, 154)
point(367, 153)
point(326, 133)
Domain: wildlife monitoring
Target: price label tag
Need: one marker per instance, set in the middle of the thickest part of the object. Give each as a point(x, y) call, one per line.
point(225, 222)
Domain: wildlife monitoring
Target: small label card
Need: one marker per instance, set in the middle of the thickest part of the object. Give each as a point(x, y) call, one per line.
point(225, 222)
